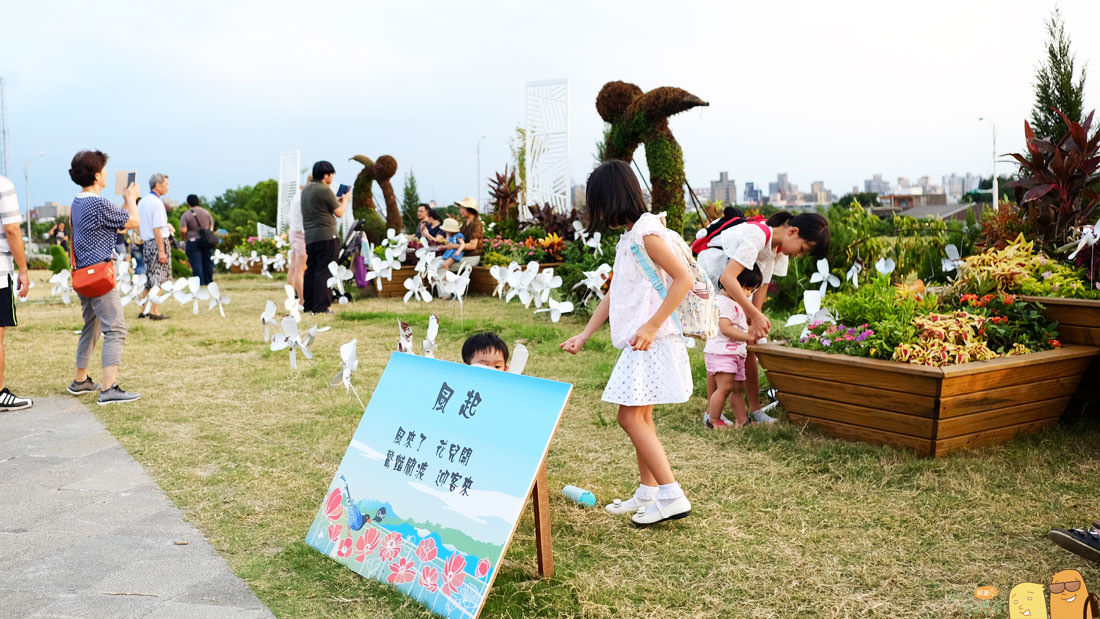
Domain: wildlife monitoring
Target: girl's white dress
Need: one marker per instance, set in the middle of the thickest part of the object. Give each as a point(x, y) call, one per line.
point(662, 374)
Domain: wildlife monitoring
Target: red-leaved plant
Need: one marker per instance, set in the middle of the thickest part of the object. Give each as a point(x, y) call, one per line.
point(1058, 185)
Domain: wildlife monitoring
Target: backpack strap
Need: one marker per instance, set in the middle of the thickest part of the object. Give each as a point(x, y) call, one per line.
point(646, 263)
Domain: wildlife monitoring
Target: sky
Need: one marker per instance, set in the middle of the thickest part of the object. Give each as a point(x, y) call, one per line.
point(211, 93)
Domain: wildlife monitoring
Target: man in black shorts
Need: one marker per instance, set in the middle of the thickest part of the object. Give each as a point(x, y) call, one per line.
point(11, 255)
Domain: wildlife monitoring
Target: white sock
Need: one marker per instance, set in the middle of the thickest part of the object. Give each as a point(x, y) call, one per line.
point(645, 493)
point(666, 493)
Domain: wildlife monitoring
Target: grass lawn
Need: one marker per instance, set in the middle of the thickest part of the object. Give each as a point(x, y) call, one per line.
point(786, 522)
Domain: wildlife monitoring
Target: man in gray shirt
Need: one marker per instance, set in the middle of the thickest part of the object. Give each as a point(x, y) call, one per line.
point(320, 211)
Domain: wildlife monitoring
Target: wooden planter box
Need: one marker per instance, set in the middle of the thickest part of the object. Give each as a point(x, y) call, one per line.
point(395, 286)
point(256, 267)
point(931, 410)
point(1078, 319)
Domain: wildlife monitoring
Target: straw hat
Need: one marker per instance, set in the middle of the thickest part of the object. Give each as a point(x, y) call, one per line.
point(468, 203)
point(450, 225)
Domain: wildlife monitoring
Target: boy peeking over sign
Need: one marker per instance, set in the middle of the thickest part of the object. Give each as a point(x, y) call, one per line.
point(486, 349)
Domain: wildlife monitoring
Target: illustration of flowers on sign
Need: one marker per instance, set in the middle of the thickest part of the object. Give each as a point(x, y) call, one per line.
point(433, 483)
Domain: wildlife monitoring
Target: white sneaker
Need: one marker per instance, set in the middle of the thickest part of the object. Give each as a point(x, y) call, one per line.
point(762, 417)
point(629, 506)
point(706, 418)
point(679, 508)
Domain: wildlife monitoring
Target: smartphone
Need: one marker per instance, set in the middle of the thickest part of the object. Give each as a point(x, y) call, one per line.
point(342, 190)
point(123, 180)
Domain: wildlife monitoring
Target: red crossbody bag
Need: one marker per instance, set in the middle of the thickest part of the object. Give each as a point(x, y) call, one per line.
point(93, 280)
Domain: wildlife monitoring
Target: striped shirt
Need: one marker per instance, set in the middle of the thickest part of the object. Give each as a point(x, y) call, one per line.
point(96, 222)
point(9, 214)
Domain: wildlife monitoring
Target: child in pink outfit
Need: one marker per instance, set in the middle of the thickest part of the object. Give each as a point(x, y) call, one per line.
point(725, 357)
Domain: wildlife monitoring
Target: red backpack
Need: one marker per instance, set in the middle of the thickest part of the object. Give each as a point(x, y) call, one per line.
point(704, 242)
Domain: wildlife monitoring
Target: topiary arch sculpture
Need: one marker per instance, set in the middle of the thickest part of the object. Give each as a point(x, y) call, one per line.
point(642, 118)
point(362, 196)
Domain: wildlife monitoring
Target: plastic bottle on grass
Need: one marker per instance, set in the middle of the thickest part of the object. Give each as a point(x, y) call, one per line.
point(580, 496)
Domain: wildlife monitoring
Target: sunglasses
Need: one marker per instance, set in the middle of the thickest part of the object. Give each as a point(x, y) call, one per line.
point(1071, 586)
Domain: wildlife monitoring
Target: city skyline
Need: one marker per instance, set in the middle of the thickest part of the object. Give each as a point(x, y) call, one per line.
point(212, 103)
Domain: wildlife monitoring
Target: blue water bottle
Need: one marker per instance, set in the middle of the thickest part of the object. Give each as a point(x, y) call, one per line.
point(580, 496)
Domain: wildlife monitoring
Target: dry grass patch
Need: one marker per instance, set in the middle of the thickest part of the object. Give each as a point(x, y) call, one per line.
point(785, 523)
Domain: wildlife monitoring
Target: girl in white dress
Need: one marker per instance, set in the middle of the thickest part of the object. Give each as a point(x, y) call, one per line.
point(653, 367)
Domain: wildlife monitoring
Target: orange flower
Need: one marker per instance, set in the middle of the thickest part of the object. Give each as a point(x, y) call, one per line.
point(1055, 344)
point(1008, 299)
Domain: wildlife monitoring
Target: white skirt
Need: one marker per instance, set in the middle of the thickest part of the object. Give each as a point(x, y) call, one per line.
point(660, 375)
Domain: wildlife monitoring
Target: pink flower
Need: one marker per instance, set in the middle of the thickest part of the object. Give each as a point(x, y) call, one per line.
point(482, 568)
point(426, 551)
point(345, 548)
point(334, 504)
point(401, 572)
point(391, 546)
point(334, 532)
point(453, 576)
point(428, 577)
point(366, 543)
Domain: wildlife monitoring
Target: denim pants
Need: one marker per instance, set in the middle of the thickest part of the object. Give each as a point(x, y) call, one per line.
point(202, 265)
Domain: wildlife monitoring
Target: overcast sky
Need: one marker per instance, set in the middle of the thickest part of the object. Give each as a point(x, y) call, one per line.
point(212, 92)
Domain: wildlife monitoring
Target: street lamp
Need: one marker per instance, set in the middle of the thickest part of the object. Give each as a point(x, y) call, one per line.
point(996, 196)
point(27, 192)
point(477, 187)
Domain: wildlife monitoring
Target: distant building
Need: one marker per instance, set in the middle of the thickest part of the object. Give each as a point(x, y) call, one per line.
point(876, 185)
point(752, 194)
point(49, 210)
point(903, 201)
point(579, 200)
point(818, 193)
point(724, 189)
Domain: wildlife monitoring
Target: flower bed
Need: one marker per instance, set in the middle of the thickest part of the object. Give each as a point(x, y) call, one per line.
point(932, 410)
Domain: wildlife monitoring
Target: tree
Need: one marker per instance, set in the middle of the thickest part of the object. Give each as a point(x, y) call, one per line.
point(869, 198)
point(409, 201)
point(1056, 86)
point(239, 210)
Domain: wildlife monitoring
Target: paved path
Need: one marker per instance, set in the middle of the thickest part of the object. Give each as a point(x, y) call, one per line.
point(84, 532)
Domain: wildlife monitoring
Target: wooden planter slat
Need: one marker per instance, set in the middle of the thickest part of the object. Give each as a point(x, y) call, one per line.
point(1031, 371)
point(1002, 417)
point(872, 372)
point(931, 410)
point(862, 434)
point(967, 403)
point(1078, 319)
point(1079, 335)
point(990, 437)
point(481, 281)
point(899, 401)
point(395, 286)
point(857, 415)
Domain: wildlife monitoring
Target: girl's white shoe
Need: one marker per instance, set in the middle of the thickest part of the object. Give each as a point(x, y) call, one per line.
point(629, 506)
point(671, 510)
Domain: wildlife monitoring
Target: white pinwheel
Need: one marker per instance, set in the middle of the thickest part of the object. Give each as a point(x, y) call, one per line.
point(340, 274)
point(404, 337)
point(1088, 237)
point(382, 267)
point(519, 283)
point(425, 256)
point(519, 359)
point(500, 273)
point(429, 337)
point(951, 262)
point(885, 265)
point(348, 364)
point(181, 291)
point(217, 299)
point(824, 276)
point(811, 300)
point(268, 318)
point(853, 274)
point(594, 281)
point(311, 334)
point(62, 286)
point(291, 304)
point(541, 286)
point(290, 339)
point(594, 243)
point(556, 309)
point(454, 285)
point(578, 231)
point(158, 294)
point(132, 289)
point(417, 290)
